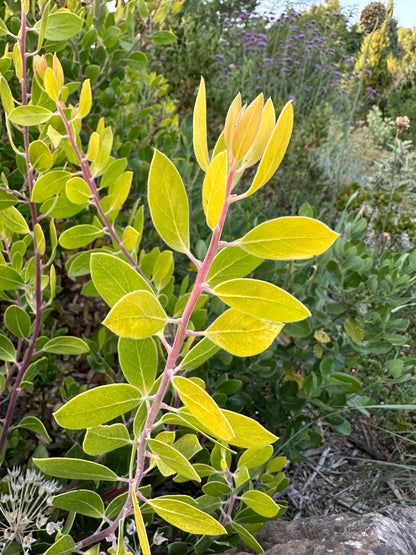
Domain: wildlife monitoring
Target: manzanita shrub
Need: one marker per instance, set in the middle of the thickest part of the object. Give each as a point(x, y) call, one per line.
point(163, 425)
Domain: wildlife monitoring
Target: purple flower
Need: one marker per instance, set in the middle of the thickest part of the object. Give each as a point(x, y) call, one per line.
point(267, 60)
point(350, 61)
point(318, 67)
point(338, 73)
point(345, 19)
point(333, 35)
point(297, 63)
point(368, 71)
point(308, 89)
point(336, 14)
point(292, 97)
point(261, 44)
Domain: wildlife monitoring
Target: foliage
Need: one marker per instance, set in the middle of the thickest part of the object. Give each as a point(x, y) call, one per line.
point(150, 426)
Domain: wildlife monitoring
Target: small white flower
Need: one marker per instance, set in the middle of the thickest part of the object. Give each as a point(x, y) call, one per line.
point(130, 527)
point(159, 538)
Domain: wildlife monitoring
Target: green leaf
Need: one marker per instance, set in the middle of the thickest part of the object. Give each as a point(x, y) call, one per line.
point(173, 458)
point(102, 439)
point(79, 236)
point(61, 25)
point(216, 488)
point(114, 278)
point(13, 220)
point(214, 189)
point(168, 203)
point(203, 407)
point(113, 171)
point(6, 200)
point(261, 503)
point(7, 350)
point(66, 346)
point(10, 279)
point(241, 334)
point(29, 115)
point(247, 537)
point(82, 501)
point(49, 185)
point(75, 469)
point(77, 190)
point(106, 144)
point(261, 300)
point(185, 517)
point(255, 456)
point(6, 96)
point(288, 238)
point(136, 315)
point(248, 432)
point(64, 546)
point(138, 361)
point(40, 156)
point(34, 425)
point(199, 354)
point(97, 406)
point(163, 37)
point(231, 263)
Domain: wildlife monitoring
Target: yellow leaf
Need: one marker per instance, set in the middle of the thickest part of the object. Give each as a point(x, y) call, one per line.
point(231, 120)
point(17, 61)
point(93, 147)
point(288, 238)
point(85, 99)
point(200, 128)
point(40, 239)
point(58, 71)
point(219, 146)
point(321, 336)
point(51, 85)
point(203, 407)
point(248, 432)
point(241, 334)
point(140, 527)
point(275, 150)
point(268, 120)
point(247, 128)
point(214, 189)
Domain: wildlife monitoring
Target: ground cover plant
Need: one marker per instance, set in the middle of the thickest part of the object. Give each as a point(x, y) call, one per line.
point(161, 420)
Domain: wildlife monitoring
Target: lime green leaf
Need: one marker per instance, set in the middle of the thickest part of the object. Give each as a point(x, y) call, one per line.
point(173, 458)
point(97, 406)
point(7, 350)
point(168, 203)
point(185, 517)
point(200, 128)
point(6, 96)
point(231, 263)
point(163, 37)
point(247, 538)
point(261, 503)
point(248, 432)
point(61, 25)
point(76, 469)
point(138, 361)
point(49, 185)
point(255, 456)
point(51, 84)
point(103, 439)
point(203, 407)
point(77, 190)
point(40, 239)
point(114, 278)
point(66, 346)
point(85, 99)
point(17, 320)
point(9, 279)
point(64, 546)
point(216, 488)
point(241, 334)
point(261, 300)
point(114, 507)
point(29, 115)
point(119, 191)
point(136, 315)
point(6, 200)
point(113, 171)
point(276, 465)
point(214, 189)
point(106, 144)
point(288, 238)
point(241, 476)
point(34, 425)
point(40, 156)
point(79, 236)
point(140, 527)
point(82, 501)
point(199, 354)
point(13, 220)
point(275, 150)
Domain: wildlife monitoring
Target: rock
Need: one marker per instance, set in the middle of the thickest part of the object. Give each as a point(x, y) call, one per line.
point(389, 531)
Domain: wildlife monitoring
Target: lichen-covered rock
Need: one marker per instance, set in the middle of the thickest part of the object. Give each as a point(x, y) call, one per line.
point(390, 531)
